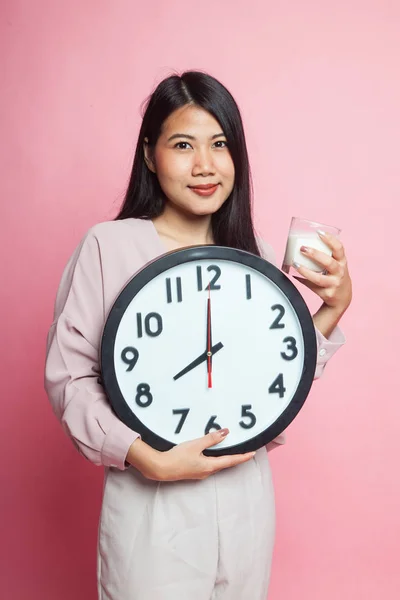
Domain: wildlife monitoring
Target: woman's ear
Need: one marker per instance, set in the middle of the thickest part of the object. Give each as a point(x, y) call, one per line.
point(148, 156)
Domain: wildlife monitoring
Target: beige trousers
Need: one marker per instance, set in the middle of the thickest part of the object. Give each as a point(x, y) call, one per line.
point(187, 540)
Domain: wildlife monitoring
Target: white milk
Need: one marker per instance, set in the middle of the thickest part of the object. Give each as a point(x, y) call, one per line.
point(303, 238)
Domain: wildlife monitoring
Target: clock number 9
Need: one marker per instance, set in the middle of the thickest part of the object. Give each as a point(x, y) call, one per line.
point(127, 359)
point(212, 425)
point(246, 413)
point(291, 342)
point(143, 390)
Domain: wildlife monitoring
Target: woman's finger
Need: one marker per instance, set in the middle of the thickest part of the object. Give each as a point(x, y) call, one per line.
point(211, 439)
point(321, 258)
point(225, 462)
point(334, 244)
point(319, 279)
point(311, 286)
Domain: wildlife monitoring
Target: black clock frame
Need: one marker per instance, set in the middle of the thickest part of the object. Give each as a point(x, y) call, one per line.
point(192, 254)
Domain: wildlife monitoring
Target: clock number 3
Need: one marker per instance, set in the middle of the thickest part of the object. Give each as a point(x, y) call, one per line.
point(291, 345)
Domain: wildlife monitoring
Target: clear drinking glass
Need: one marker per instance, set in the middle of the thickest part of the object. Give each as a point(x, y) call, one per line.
point(303, 232)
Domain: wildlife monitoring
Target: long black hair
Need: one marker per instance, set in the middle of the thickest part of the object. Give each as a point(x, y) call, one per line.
point(232, 224)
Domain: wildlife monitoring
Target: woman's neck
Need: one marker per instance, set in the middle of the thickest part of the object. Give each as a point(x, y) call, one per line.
point(178, 230)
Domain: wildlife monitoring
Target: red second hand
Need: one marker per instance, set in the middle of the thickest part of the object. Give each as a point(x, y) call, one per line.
point(209, 367)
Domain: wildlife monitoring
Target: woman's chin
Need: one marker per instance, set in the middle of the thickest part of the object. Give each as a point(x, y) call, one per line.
point(200, 208)
point(204, 208)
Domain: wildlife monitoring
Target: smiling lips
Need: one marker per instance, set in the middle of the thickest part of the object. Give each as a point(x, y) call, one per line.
point(204, 190)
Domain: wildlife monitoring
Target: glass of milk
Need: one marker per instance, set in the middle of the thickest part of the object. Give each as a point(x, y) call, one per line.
point(305, 233)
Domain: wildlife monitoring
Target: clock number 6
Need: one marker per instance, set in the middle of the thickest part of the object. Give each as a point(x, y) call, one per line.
point(246, 413)
point(212, 425)
point(143, 391)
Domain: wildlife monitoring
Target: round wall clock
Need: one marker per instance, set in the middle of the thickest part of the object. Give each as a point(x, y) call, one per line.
point(208, 337)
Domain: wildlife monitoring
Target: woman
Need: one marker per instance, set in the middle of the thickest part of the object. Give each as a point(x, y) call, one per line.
point(175, 524)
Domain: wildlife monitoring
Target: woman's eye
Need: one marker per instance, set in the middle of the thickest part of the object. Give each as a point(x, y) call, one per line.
point(221, 144)
point(182, 145)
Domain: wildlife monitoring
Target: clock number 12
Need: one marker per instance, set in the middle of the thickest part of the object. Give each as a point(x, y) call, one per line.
point(213, 283)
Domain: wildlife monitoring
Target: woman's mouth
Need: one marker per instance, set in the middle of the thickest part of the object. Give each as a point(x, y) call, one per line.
point(205, 190)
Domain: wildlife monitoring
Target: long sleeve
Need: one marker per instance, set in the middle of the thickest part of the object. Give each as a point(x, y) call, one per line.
point(326, 347)
point(72, 362)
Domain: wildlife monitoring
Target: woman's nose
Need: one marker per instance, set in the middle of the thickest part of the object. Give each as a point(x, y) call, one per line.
point(203, 163)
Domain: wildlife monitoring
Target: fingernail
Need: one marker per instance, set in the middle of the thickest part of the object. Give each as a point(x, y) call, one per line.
point(305, 248)
point(320, 232)
point(296, 265)
point(223, 432)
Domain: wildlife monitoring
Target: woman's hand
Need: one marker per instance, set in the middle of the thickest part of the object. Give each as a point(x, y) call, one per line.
point(333, 286)
point(184, 461)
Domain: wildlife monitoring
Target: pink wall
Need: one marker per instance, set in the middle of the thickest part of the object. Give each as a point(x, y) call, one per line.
point(318, 84)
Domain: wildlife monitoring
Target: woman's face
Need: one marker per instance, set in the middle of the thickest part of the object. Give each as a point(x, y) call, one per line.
point(192, 162)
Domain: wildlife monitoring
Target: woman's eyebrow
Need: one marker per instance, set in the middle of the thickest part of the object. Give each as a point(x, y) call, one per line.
point(191, 137)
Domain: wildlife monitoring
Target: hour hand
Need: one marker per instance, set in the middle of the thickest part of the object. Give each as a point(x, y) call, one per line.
point(199, 360)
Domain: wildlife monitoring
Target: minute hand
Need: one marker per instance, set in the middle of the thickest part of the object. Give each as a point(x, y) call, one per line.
point(199, 360)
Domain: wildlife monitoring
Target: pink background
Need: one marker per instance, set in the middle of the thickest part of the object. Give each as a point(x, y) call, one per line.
point(318, 85)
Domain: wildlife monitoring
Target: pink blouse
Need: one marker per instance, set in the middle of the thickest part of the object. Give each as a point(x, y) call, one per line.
point(107, 257)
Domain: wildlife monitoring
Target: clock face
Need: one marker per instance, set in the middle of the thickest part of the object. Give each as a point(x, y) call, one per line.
point(206, 338)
